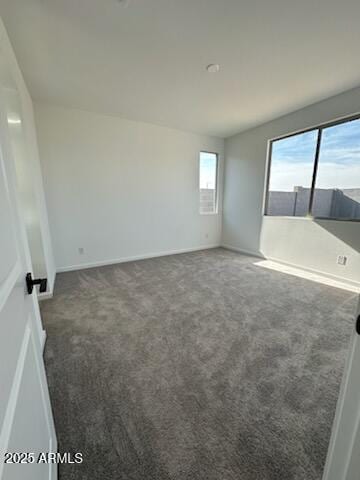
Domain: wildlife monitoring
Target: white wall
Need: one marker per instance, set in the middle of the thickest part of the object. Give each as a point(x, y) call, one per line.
point(310, 244)
point(121, 189)
point(18, 104)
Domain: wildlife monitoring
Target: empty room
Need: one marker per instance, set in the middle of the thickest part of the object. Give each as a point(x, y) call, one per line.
point(179, 240)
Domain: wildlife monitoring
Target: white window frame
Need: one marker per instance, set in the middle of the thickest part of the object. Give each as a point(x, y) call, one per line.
point(319, 128)
point(216, 209)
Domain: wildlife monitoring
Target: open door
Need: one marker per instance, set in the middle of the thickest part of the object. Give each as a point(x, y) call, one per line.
point(343, 461)
point(26, 421)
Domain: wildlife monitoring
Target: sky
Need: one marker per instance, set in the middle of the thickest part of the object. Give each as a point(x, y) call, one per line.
point(207, 170)
point(339, 160)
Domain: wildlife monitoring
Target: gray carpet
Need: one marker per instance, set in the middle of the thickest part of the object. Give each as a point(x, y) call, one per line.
point(195, 366)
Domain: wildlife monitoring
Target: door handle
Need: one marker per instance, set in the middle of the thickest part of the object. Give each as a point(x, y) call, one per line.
point(358, 325)
point(30, 282)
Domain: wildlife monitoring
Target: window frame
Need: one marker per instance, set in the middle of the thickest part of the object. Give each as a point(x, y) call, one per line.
point(216, 210)
point(320, 127)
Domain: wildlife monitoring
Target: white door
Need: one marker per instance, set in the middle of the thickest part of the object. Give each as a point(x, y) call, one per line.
point(26, 421)
point(343, 462)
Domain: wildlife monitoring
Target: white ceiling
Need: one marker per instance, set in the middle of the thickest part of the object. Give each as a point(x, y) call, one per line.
point(147, 61)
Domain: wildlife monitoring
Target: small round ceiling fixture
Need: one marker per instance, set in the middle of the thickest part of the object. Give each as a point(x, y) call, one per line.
point(213, 68)
point(14, 120)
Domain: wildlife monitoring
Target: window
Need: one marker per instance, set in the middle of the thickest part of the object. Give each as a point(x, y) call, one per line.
point(337, 186)
point(208, 182)
point(316, 172)
point(292, 165)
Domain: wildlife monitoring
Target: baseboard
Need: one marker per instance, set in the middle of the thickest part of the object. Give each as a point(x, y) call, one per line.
point(330, 276)
point(103, 263)
point(49, 293)
point(243, 251)
point(44, 296)
point(52, 283)
point(316, 272)
point(43, 340)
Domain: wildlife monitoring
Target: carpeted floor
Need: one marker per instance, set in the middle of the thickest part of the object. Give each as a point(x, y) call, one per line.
point(201, 366)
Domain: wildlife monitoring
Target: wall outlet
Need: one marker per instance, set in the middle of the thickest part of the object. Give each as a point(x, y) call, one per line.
point(81, 251)
point(342, 260)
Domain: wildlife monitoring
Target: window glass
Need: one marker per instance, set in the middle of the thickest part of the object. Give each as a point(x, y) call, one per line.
point(291, 173)
point(208, 182)
point(337, 192)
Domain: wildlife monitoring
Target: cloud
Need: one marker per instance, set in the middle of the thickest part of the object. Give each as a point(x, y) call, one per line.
point(339, 160)
point(287, 175)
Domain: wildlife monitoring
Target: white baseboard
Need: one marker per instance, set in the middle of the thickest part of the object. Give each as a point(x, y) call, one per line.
point(145, 256)
point(314, 271)
point(44, 296)
point(50, 292)
point(337, 278)
point(243, 251)
point(43, 339)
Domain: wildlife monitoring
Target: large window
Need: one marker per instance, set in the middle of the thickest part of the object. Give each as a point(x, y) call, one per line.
point(316, 173)
point(208, 182)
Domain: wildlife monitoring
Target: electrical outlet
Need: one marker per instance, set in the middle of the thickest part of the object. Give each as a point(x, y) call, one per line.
point(342, 260)
point(81, 251)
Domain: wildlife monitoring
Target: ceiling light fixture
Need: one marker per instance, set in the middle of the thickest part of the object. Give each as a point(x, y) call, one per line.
point(213, 68)
point(14, 121)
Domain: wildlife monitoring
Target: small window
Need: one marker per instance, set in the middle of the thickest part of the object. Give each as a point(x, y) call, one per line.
point(208, 182)
point(316, 173)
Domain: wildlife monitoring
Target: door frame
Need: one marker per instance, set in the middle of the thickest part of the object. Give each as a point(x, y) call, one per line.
point(32, 339)
point(23, 245)
point(343, 456)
